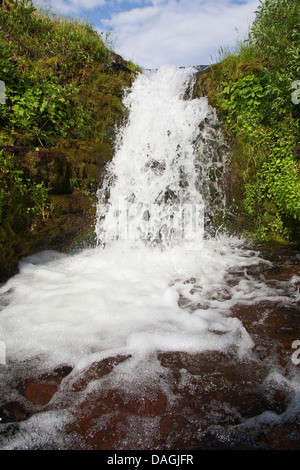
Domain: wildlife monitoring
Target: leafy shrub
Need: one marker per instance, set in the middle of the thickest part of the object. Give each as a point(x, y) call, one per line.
point(242, 97)
point(276, 35)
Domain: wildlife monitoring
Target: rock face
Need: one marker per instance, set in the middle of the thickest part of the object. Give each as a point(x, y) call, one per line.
point(71, 176)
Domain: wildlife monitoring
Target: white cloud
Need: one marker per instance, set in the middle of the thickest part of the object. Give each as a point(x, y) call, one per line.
point(155, 32)
point(70, 7)
point(184, 32)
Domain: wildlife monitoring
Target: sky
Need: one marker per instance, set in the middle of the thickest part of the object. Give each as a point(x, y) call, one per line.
point(151, 33)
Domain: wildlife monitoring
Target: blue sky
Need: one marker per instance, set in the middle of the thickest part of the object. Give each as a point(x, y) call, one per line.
point(156, 32)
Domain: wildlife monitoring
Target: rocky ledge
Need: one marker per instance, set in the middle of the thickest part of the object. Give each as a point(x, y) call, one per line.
point(71, 176)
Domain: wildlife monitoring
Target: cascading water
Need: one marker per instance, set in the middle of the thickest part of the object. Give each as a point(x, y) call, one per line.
point(144, 322)
point(158, 180)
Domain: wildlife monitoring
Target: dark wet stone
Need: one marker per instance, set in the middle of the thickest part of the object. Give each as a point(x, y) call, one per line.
point(12, 412)
point(40, 390)
point(96, 371)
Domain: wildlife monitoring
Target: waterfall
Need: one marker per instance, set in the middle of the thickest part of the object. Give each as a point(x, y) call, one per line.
point(148, 313)
point(153, 220)
point(162, 181)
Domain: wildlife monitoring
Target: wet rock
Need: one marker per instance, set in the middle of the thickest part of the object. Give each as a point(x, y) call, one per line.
point(72, 176)
point(176, 431)
point(149, 404)
point(212, 441)
point(105, 420)
point(39, 391)
point(153, 405)
point(47, 166)
point(12, 412)
point(96, 371)
point(280, 437)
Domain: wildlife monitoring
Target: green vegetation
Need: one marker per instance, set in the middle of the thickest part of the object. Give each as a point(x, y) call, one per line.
point(252, 88)
point(64, 89)
point(58, 85)
point(19, 196)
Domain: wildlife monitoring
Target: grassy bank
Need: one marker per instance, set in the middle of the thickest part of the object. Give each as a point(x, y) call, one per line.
point(59, 85)
point(256, 90)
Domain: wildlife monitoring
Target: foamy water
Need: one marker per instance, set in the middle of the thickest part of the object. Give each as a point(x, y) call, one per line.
point(160, 283)
point(124, 300)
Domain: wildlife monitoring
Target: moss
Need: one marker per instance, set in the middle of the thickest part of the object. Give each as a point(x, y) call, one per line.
point(76, 203)
point(9, 250)
point(71, 223)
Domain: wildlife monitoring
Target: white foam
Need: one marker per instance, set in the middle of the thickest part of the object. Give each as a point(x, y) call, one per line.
point(41, 431)
point(119, 300)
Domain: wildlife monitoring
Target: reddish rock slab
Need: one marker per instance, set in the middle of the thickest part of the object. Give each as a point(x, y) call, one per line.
point(39, 393)
point(103, 402)
point(104, 419)
point(40, 390)
point(210, 395)
point(97, 370)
